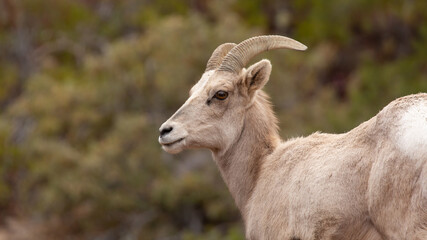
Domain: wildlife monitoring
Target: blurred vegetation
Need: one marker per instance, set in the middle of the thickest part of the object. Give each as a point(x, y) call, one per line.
point(84, 86)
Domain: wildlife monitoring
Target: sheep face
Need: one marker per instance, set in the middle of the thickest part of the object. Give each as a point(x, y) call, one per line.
point(213, 115)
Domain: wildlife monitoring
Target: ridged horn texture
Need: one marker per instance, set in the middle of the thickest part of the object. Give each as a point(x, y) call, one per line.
point(241, 54)
point(218, 55)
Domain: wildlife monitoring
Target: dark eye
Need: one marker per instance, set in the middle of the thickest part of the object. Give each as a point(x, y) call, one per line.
point(221, 95)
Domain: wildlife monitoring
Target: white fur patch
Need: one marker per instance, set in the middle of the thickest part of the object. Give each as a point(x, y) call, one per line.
point(412, 133)
point(200, 85)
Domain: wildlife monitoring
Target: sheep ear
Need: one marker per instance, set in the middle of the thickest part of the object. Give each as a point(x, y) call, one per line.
point(257, 76)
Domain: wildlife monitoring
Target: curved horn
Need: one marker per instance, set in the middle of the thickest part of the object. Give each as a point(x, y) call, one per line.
point(241, 54)
point(218, 55)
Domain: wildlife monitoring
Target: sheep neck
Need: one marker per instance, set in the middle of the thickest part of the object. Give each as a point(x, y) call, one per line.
point(240, 164)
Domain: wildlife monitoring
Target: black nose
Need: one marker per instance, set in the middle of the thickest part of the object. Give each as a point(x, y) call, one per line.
point(165, 130)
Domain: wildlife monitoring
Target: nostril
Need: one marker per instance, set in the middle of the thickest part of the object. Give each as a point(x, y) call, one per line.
point(165, 131)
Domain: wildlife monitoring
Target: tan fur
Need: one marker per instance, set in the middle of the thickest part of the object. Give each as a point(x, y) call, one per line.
point(363, 184)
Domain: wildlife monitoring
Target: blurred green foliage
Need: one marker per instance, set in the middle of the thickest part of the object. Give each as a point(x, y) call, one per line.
point(84, 86)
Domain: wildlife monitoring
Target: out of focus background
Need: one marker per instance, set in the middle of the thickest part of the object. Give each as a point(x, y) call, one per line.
point(85, 85)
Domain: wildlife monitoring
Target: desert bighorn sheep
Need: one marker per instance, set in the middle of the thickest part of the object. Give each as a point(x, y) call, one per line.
point(368, 183)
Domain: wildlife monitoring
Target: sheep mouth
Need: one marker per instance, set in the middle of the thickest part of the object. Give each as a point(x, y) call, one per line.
point(172, 143)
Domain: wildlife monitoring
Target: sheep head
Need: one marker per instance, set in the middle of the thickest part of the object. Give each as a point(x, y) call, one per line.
point(213, 115)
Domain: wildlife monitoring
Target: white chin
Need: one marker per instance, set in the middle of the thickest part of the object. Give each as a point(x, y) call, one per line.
point(174, 148)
